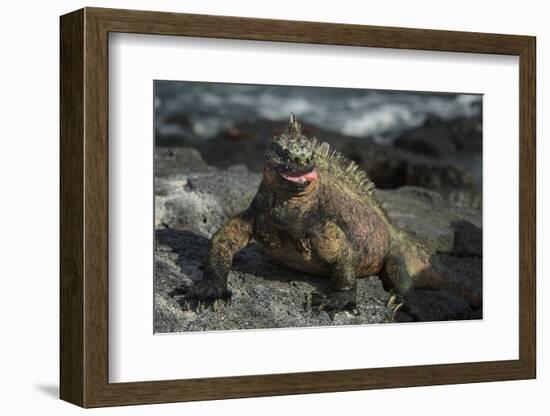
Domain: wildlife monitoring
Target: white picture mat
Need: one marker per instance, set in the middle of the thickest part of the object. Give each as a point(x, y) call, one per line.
point(136, 354)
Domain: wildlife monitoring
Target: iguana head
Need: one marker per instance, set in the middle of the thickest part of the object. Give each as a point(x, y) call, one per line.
point(290, 157)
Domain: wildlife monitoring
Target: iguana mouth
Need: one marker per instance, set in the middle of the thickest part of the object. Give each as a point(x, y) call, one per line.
point(302, 177)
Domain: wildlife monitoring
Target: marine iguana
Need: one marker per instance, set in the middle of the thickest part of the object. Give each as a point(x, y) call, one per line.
point(315, 211)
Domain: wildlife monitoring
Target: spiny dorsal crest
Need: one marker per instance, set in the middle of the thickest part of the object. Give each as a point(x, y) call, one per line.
point(294, 127)
point(338, 166)
point(343, 169)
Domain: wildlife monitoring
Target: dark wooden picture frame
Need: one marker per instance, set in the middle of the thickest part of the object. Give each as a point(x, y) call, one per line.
point(84, 207)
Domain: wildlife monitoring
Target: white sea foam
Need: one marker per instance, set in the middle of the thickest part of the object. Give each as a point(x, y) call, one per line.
point(208, 108)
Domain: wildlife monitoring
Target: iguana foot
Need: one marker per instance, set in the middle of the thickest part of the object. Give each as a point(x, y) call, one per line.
point(336, 301)
point(395, 302)
point(203, 295)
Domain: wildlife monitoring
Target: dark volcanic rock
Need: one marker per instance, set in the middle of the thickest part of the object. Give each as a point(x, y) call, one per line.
point(174, 160)
point(439, 138)
point(441, 226)
point(192, 200)
point(197, 197)
point(429, 305)
point(388, 166)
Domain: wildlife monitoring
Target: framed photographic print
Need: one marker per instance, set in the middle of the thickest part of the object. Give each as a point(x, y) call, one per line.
point(255, 207)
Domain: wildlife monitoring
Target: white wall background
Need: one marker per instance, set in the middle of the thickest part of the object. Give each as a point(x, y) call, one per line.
point(29, 85)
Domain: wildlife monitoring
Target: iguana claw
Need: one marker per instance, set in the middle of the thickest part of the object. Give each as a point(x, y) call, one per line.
point(204, 295)
point(336, 301)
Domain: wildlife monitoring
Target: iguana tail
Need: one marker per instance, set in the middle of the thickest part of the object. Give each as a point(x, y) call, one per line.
point(410, 265)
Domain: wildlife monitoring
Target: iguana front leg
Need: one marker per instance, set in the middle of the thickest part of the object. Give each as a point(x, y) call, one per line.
point(332, 247)
point(234, 235)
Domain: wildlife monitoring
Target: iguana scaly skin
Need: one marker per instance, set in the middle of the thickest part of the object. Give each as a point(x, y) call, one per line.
point(315, 211)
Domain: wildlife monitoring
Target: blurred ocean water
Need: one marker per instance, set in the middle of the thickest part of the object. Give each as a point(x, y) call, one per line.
point(204, 109)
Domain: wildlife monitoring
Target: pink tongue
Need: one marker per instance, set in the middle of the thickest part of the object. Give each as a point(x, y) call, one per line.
point(306, 177)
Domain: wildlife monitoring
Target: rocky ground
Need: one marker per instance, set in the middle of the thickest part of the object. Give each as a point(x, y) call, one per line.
point(193, 197)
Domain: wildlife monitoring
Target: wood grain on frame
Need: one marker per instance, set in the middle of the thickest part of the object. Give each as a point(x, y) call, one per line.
point(71, 208)
point(84, 207)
